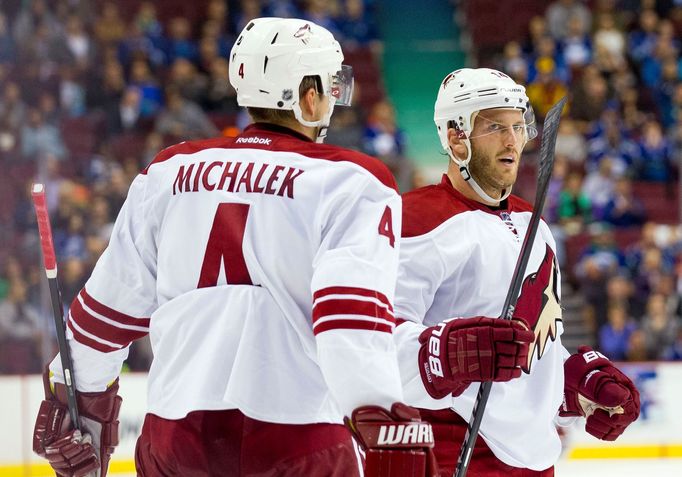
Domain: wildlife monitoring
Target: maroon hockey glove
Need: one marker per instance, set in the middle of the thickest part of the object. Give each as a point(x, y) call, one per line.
point(457, 352)
point(596, 389)
point(397, 443)
point(69, 453)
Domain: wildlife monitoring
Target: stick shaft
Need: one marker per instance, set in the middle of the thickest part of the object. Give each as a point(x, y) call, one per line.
point(49, 257)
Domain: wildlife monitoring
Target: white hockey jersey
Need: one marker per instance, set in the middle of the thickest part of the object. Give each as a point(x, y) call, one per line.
point(457, 258)
point(263, 267)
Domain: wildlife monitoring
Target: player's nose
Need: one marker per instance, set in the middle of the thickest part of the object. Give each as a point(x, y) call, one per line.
point(509, 137)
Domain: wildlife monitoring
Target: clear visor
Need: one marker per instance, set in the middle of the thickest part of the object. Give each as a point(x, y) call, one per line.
point(341, 85)
point(523, 130)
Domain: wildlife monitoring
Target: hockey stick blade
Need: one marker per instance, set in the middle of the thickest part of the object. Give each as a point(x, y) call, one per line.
point(50, 260)
point(547, 145)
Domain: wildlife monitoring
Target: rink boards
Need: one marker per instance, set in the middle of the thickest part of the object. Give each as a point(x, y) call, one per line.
point(657, 434)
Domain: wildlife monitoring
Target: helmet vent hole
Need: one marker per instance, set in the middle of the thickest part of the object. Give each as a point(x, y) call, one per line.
point(506, 100)
point(461, 85)
point(274, 38)
point(265, 64)
point(250, 26)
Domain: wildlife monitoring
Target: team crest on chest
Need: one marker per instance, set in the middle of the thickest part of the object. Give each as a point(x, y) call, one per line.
point(539, 305)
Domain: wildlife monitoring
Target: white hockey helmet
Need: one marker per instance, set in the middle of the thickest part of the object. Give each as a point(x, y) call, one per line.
point(272, 55)
point(465, 92)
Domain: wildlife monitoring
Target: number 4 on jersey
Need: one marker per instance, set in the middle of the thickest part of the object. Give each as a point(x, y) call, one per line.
point(225, 246)
point(386, 226)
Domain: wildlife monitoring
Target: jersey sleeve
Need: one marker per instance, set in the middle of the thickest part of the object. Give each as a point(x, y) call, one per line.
point(353, 286)
point(114, 306)
point(420, 273)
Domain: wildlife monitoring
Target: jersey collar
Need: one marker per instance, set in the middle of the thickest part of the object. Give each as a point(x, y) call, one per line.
point(275, 128)
point(491, 209)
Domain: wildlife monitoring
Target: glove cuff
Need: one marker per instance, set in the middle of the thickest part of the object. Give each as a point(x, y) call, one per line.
point(100, 406)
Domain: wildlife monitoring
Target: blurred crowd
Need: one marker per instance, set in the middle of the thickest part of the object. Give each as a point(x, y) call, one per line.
point(91, 90)
point(613, 200)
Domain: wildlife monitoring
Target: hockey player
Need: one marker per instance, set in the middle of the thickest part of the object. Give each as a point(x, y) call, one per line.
point(460, 242)
point(263, 268)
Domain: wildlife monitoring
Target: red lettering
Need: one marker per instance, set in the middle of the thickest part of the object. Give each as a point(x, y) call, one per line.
point(246, 178)
point(256, 187)
point(225, 246)
point(288, 182)
point(204, 180)
point(386, 226)
point(273, 177)
point(197, 176)
point(183, 178)
point(232, 174)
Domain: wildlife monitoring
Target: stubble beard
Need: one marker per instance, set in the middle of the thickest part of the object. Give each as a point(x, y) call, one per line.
point(484, 173)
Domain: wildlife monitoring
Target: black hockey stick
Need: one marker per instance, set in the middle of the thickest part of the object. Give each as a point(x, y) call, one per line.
point(549, 134)
point(50, 260)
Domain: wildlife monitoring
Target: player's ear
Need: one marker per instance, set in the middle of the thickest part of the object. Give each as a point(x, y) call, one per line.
point(459, 148)
point(309, 102)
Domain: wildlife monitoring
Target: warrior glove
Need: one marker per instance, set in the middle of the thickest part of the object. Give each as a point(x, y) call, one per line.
point(70, 453)
point(457, 352)
point(397, 443)
point(597, 390)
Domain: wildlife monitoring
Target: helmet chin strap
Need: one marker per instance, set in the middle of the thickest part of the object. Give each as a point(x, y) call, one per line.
point(321, 126)
point(466, 175)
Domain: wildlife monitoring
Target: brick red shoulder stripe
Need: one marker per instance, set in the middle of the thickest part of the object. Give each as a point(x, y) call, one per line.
point(102, 329)
point(188, 147)
point(283, 140)
point(424, 209)
point(110, 313)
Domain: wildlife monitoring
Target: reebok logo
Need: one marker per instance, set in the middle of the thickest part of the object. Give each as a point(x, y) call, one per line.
point(253, 140)
point(415, 433)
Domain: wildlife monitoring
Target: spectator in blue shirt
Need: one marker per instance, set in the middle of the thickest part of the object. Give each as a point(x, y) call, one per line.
point(614, 336)
point(624, 209)
point(655, 161)
point(642, 41)
point(180, 43)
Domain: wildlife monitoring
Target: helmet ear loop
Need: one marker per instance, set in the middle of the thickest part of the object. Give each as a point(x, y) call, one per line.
point(322, 124)
point(463, 137)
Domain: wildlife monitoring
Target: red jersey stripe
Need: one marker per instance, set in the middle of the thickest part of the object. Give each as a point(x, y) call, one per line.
point(87, 341)
point(102, 329)
point(282, 139)
point(353, 291)
point(350, 307)
point(110, 313)
point(352, 325)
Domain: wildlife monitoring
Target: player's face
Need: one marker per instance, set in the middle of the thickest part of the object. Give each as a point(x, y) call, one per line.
point(497, 140)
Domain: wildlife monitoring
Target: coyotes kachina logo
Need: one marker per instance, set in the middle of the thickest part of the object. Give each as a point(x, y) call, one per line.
point(539, 305)
point(303, 33)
